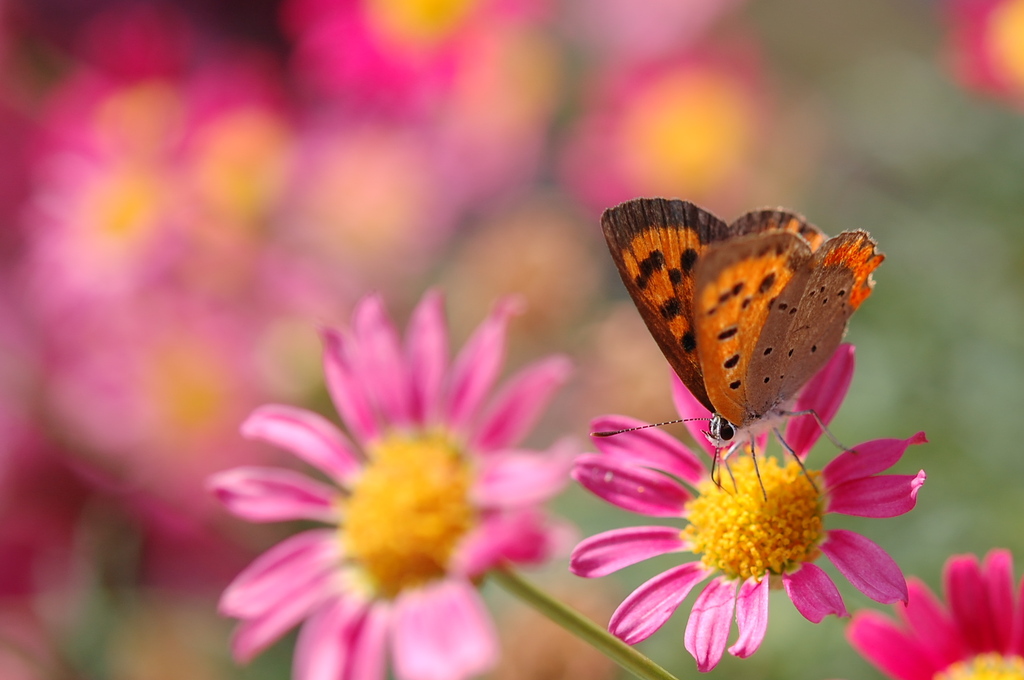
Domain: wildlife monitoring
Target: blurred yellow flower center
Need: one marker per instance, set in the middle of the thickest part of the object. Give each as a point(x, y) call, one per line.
point(1006, 26)
point(734, 528)
point(418, 23)
point(985, 667)
point(408, 511)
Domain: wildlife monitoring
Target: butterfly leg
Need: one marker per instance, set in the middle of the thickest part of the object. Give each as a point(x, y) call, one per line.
point(757, 470)
point(799, 462)
point(821, 424)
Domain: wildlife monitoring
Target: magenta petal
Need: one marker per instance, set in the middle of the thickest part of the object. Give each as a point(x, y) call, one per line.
point(630, 487)
point(516, 408)
point(889, 648)
point(427, 356)
point(931, 625)
point(813, 593)
point(879, 496)
point(293, 563)
point(751, 617)
point(309, 436)
point(325, 643)
point(867, 566)
point(346, 390)
point(477, 366)
point(442, 632)
point(517, 479)
point(823, 395)
point(649, 447)
point(648, 607)
point(998, 573)
point(688, 407)
point(607, 552)
point(380, 361)
point(520, 537)
point(707, 630)
point(274, 494)
point(867, 459)
point(968, 600)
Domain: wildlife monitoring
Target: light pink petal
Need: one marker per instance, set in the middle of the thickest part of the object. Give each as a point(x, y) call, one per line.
point(867, 459)
point(477, 367)
point(823, 395)
point(520, 537)
point(261, 494)
point(380, 362)
point(649, 447)
point(813, 593)
point(516, 479)
point(607, 552)
point(968, 601)
point(879, 496)
point(442, 632)
point(888, 647)
point(650, 606)
point(346, 390)
point(309, 436)
point(689, 408)
point(707, 630)
point(518, 405)
point(930, 623)
point(867, 566)
point(427, 356)
point(325, 643)
point(630, 487)
point(998, 573)
point(293, 563)
point(369, 652)
point(751, 617)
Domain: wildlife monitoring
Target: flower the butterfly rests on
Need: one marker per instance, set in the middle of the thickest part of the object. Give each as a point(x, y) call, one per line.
point(746, 313)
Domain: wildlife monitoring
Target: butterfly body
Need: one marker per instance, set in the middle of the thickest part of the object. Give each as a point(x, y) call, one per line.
point(746, 313)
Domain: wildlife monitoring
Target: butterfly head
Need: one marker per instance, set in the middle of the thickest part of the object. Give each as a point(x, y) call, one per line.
point(721, 432)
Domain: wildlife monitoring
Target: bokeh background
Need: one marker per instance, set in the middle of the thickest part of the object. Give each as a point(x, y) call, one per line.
point(188, 190)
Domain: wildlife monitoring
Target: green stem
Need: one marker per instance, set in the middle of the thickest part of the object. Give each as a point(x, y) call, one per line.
point(580, 626)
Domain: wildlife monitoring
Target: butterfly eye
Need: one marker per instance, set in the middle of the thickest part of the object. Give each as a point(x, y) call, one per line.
point(722, 429)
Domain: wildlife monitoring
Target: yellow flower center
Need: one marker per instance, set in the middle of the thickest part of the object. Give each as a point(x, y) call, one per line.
point(747, 530)
point(418, 23)
point(408, 511)
point(985, 667)
point(1006, 33)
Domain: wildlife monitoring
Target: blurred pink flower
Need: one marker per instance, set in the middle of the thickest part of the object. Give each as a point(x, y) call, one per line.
point(684, 126)
point(757, 529)
point(978, 632)
point(431, 491)
point(986, 46)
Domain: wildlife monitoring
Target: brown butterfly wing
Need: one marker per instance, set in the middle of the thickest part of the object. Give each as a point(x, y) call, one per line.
point(657, 244)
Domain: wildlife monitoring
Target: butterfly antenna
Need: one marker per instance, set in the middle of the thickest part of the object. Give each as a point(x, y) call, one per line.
point(814, 414)
point(643, 427)
point(799, 462)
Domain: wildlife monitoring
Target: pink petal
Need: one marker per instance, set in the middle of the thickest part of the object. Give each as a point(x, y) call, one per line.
point(968, 601)
point(297, 561)
point(998, 573)
point(520, 537)
point(868, 459)
point(380, 362)
point(708, 628)
point(693, 412)
point(1017, 635)
point(309, 436)
point(650, 606)
point(867, 566)
point(649, 447)
point(346, 390)
point(630, 487)
point(928, 621)
point(751, 617)
point(442, 632)
point(889, 648)
point(879, 496)
point(427, 356)
point(517, 479)
point(274, 494)
point(610, 551)
point(517, 407)
point(477, 366)
point(823, 395)
point(813, 593)
point(325, 643)
point(369, 652)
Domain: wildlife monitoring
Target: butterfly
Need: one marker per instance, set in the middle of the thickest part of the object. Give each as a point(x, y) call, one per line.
point(746, 313)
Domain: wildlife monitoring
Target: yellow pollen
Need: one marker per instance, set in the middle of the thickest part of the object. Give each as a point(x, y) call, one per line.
point(408, 511)
point(990, 666)
point(419, 23)
point(734, 529)
point(1006, 38)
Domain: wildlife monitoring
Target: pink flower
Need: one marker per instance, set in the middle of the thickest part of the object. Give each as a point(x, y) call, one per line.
point(979, 633)
point(985, 46)
point(428, 490)
point(751, 528)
